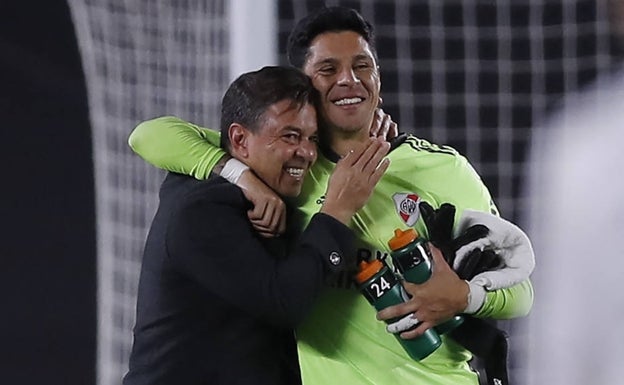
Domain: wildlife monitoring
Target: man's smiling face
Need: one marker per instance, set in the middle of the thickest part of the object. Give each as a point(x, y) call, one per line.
point(344, 70)
point(283, 149)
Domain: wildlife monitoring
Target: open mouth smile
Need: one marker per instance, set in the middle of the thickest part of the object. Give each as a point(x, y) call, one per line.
point(295, 172)
point(348, 101)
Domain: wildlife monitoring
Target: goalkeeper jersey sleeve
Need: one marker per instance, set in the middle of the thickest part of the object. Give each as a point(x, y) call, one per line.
point(178, 146)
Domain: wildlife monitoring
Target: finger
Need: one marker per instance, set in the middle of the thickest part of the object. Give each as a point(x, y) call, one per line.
point(491, 260)
point(370, 158)
point(427, 213)
point(467, 265)
point(418, 331)
point(384, 127)
point(404, 324)
point(257, 212)
point(393, 131)
point(471, 234)
point(399, 310)
point(264, 217)
point(263, 231)
point(352, 156)
point(269, 216)
point(260, 226)
point(377, 123)
point(437, 258)
point(272, 216)
point(268, 234)
point(380, 171)
point(488, 260)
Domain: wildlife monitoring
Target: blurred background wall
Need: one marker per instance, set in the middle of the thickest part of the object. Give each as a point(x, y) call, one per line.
point(47, 247)
point(78, 76)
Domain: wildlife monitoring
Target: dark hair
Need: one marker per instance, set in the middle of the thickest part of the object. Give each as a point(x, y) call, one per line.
point(326, 19)
point(252, 93)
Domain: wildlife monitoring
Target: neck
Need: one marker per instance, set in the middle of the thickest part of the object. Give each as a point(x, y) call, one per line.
point(342, 142)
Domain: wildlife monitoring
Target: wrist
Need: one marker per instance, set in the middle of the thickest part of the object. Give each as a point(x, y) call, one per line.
point(216, 170)
point(336, 212)
point(233, 169)
point(476, 298)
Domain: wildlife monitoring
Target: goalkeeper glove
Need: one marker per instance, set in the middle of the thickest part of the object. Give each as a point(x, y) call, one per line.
point(485, 250)
point(514, 254)
point(439, 224)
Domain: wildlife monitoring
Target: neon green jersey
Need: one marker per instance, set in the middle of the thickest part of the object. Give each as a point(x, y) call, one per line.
point(341, 342)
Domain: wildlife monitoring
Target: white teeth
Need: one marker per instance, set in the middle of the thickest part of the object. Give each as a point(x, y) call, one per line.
point(346, 101)
point(295, 172)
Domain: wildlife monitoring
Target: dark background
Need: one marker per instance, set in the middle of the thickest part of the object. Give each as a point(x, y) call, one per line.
point(48, 269)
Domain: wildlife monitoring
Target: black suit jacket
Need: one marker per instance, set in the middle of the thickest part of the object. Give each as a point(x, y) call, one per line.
point(216, 302)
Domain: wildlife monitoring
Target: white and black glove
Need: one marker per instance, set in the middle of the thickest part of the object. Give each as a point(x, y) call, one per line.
point(487, 251)
point(510, 244)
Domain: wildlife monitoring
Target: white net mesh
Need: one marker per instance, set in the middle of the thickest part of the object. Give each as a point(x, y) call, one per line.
point(474, 74)
point(141, 59)
point(477, 74)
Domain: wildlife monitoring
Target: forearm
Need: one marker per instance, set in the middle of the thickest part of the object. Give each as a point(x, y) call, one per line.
point(175, 145)
point(508, 303)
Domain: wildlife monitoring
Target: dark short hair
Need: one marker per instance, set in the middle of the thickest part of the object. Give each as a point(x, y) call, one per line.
point(252, 93)
point(326, 19)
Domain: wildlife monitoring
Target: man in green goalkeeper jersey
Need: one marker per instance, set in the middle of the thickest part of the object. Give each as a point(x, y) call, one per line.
point(342, 342)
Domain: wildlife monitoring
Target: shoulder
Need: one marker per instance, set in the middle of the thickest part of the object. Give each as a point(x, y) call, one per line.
point(183, 191)
point(415, 151)
point(425, 146)
point(440, 171)
point(214, 193)
point(204, 211)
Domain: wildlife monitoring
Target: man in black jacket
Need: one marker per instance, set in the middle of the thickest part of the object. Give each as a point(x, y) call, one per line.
point(217, 302)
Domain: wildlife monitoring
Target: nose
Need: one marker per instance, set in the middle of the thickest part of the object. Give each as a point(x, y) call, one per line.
point(347, 77)
point(307, 150)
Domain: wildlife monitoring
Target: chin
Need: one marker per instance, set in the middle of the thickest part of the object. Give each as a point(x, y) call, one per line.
point(347, 125)
point(293, 193)
point(289, 192)
point(348, 128)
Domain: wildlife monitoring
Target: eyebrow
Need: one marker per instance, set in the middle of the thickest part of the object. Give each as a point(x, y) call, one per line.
point(363, 56)
point(332, 60)
point(298, 129)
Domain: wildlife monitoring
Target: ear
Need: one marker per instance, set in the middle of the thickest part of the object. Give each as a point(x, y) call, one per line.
point(239, 139)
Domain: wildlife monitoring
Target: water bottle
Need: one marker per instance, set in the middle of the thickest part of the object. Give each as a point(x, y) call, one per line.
point(411, 257)
point(382, 288)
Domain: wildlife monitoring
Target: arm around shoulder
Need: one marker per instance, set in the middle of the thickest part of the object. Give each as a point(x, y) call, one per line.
point(178, 146)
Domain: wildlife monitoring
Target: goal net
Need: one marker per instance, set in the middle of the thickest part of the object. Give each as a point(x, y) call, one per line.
point(474, 74)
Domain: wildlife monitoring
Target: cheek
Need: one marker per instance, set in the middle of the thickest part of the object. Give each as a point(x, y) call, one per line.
point(321, 83)
point(375, 83)
point(280, 155)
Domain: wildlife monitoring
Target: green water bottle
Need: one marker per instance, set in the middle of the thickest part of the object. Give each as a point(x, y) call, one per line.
point(411, 257)
point(382, 288)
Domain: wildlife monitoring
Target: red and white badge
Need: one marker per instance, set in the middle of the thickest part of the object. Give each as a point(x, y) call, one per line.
point(407, 207)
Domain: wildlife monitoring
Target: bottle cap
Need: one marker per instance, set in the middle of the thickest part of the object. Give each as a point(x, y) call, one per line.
point(402, 238)
point(368, 269)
